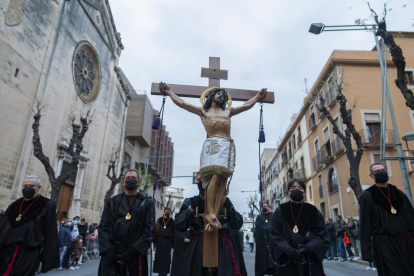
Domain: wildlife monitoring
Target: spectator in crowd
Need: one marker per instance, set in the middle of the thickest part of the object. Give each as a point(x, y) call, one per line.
point(250, 239)
point(332, 252)
point(74, 228)
point(92, 227)
point(64, 240)
point(83, 230)
point(353, 234)
point(348, 245)
point(340, 230)
point(77, 252)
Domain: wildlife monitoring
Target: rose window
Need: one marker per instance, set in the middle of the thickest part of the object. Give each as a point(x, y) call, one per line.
point(86, 73)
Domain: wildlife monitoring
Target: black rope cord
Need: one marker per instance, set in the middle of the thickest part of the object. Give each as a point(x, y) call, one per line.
point(262, 140)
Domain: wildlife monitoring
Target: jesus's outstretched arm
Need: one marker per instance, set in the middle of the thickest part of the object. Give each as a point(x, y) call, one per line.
point(249, 104)
point(164, 88)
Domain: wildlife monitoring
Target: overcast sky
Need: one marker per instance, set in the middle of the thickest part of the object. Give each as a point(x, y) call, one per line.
point(260, 43)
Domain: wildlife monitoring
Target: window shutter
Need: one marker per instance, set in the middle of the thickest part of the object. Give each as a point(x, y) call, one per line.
point(326, 135)
point(372, 118)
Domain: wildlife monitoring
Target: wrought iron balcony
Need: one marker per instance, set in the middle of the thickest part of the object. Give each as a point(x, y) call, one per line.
point(371, 138)
point(337, 146)
point(317, 164)
point(326, 154)
point(331, 97)
point(312, 122)
point(299, 139)
point(299, 174)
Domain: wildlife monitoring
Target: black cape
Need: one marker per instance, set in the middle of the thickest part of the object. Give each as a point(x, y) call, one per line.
point(180, 252)
point(263, 264)
point(116, 232)
point(311, 223)
point(186, 219)
point(164, 241)
point(392, 235)
point(35, 234)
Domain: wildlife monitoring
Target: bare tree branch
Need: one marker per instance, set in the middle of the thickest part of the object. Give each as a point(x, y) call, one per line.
point(346, 115)
point(397, 57)
point(75, 149)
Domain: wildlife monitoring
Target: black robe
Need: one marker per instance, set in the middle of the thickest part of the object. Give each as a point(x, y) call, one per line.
point(116, 232)
point(311, 223)
point(180, 252)
point(194, 262)
point(392, 235)
point(164, 241)
point(263, 263)
point(35, 234)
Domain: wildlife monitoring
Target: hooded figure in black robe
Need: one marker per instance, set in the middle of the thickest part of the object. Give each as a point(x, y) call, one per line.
point(308, 244)
point(229, 259)
point(263, 263)
point(33, 239)
point(181, 241)
point(392, 234)
point(123, 242)
point(164, 241)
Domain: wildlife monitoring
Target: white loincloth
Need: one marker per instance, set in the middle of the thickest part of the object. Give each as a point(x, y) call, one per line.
point(217, 157)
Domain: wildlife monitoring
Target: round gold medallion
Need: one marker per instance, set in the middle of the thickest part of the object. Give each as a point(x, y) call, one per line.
point(295, 229)
point(128, 216)
point(165, 226)
point(393, 211)
point(19, 217)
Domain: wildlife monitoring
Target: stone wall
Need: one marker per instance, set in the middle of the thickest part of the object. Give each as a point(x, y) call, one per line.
point(42, 48)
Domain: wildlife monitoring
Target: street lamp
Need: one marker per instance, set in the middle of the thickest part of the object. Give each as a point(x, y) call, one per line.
point(317, 28)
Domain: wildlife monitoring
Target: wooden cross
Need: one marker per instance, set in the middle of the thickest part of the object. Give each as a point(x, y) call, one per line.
point(214, 75)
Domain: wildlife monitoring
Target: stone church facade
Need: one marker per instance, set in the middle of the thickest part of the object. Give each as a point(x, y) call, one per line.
point(64, 54)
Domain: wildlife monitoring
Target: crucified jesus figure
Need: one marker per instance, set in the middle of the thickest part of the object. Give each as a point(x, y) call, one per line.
point(218, 154)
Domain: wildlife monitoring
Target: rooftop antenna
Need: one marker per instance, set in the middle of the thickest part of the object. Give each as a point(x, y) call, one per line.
point(306, 91)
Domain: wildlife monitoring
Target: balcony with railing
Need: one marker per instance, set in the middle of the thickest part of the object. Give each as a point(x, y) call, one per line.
point(371, 137)
point(299, 174)
point(331, 97)
point(321, 115)
point(320, 191)
point(337, 146)
point(312, 122)
point(317, 164)
point(326, 154)
point(299, 139)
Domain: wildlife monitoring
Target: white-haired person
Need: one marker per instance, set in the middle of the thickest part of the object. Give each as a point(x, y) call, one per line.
point(28, 233)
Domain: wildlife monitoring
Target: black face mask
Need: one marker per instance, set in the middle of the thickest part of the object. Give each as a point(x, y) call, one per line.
point(131, 184)
point(264, 209)
point(381, 177)
point(167, 214)
point(296, 195)
point(28, 192)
